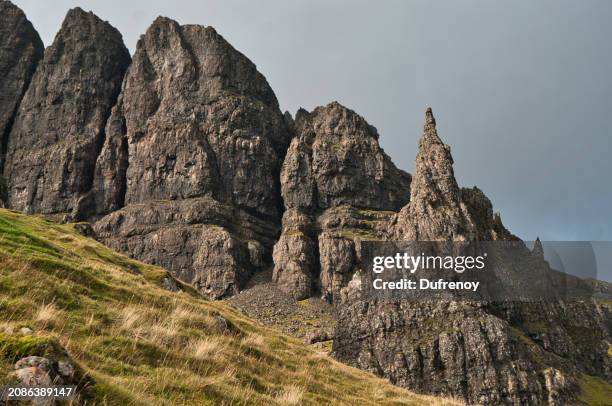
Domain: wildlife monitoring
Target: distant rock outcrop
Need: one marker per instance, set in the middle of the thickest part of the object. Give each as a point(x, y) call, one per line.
point(20, 50)
point(195, 122)
point(59, 129)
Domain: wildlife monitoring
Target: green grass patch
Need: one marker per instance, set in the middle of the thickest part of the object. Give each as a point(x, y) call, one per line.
point(13, 347)
point(145, 345)
point(595, 391)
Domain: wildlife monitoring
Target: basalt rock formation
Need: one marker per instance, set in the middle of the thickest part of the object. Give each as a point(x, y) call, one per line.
point(502, 353)
point(335, 159)
point(439, 210)
point(182, 158)
point(197, 138)
point(20, 50)
point(212, 246)
point(59, 129)
point(522, 355)
point(334, 172)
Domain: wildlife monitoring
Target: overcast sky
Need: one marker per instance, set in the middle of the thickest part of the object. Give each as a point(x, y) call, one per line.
point(522, 90)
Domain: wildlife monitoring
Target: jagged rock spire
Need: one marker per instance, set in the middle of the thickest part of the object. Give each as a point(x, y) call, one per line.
point(59, 129)
point(538, 250)
point(430, 121)
point(435, 211)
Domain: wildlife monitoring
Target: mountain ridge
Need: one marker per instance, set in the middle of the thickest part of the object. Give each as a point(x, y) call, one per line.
point(180, 157)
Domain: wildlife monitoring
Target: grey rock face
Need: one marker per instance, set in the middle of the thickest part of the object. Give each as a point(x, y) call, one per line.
point(335, 159)
point(321, 254)
point(200, 240)
point(295, 255)
point(197, 139)
point(512, 353)
point(444, 348)
point(523, 354)
point(487, 223)
point(59, 129)
point(334, 168)
point(109, 184)
point(20, 50)
point(195, 118)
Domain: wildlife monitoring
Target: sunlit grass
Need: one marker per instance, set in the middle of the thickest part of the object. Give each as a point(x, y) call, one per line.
point(144, 345)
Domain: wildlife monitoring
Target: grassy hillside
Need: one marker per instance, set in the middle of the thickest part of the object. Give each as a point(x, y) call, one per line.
point(137, 343)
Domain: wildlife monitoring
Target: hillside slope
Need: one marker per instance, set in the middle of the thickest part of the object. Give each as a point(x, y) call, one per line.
point(134, 342)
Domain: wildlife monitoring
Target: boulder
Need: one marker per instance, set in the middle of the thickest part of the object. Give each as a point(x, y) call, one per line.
point(33, 376)
point(42, 369)
point(318, 336)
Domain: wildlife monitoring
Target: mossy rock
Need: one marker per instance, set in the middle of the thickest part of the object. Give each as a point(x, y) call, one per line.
point(14, 347)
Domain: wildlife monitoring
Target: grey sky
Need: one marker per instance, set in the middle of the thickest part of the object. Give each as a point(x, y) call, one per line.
point(522, 90)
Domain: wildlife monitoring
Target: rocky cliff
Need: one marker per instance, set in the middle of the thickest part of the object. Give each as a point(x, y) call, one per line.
point(485, 353)
point(333, 171)
point(20, 50)
point(182, 158)
point(532, 354)
point(59, 128)
point(193, 151)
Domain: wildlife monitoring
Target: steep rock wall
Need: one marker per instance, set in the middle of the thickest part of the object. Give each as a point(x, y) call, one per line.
point(195, 122)
point(20, 51)
point(59, 129)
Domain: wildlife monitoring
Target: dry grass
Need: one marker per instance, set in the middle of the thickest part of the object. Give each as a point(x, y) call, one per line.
point(203, 348)
point(144, 345)
point(131, 318)
point(291, 395)
point(47, 315)
point(253, 340)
